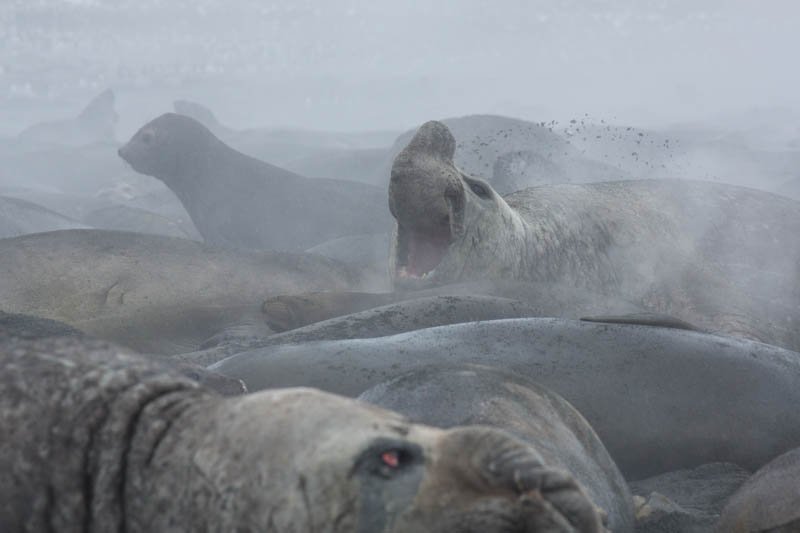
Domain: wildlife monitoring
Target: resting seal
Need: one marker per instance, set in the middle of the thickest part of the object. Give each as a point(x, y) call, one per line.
point(769, 501)
point(95, 439)
point(448, 396)
point(237, 200)
point(723, 257)
point(152, 293)
point(660, 399)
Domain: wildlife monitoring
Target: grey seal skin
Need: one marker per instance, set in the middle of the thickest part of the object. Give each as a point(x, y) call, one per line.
point(290, 311)
point(152, 293)
point(377, 322)
point(20, 217)
point(95, 439)
point(15, 327)
point(236, 200)
point(660, 399)
point(722, 257)
point(448, 396)
point(769, 501)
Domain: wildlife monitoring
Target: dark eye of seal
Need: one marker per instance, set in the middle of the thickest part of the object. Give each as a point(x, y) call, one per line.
point(387, 459)
point(479, 189)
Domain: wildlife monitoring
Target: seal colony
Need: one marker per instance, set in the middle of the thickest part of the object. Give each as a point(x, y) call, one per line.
point(116, 443)
point(723, 257)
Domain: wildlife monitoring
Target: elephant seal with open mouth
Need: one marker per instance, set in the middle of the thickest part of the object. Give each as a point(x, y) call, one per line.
point(98, 439)
point(723, 257)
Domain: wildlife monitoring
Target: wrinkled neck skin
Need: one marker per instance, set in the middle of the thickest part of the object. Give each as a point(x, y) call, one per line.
point(252, 463)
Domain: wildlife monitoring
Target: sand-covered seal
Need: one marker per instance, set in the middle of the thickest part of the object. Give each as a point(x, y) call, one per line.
point(99, 440)
point(769, 501)
point(237, 200)
point(149, 292)
point(723, 257)
point(660, 398)
point(448, 396)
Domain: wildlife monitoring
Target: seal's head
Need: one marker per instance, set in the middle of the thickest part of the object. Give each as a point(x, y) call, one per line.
point(303, 460)
point(444, 216)
point(170, 147)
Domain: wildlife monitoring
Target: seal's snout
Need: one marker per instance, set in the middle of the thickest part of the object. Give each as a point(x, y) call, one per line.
point(435, 139)
point(426, 198)
point(538, 497)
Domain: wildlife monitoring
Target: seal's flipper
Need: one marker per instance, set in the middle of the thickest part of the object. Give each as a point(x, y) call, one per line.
point(644, 319)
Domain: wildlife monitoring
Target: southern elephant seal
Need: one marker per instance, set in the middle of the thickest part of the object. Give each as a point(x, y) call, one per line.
point(290, 311)
point(152, 293)
point(237, 200)
point(483, 142)
point(723, 257)
point(390, 319)
point(98, 439)
point(447, 396)
point(769, 501)
point(660, 399)
point(15, 327)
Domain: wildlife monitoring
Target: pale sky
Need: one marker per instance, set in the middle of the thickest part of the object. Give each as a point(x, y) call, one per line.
point(363, 64)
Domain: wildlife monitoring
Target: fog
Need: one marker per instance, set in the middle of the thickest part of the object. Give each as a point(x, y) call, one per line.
point(376, 64)
point(600, 196)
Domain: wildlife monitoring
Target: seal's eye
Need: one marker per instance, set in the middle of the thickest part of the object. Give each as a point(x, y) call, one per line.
point(147, 137)
point(388, 458)
point(391, 458)
point(479, 189)
point(393, 461)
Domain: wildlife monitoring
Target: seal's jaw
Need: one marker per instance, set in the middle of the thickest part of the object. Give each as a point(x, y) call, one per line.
point(420, 252)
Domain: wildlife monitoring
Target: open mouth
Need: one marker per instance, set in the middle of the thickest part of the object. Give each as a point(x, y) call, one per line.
point(420, 252)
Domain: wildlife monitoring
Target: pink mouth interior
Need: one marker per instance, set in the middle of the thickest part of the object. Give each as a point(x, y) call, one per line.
point(424, 251)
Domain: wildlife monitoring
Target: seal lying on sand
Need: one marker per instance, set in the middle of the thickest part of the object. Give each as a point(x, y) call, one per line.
point(101, 440)
point(152, 293)
point(769, 501)
point(237, 200)
point(723, 257)
point(447, 396)
point(390, 319)
point(659, 398)
point(16, 327)
point(290, 311)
